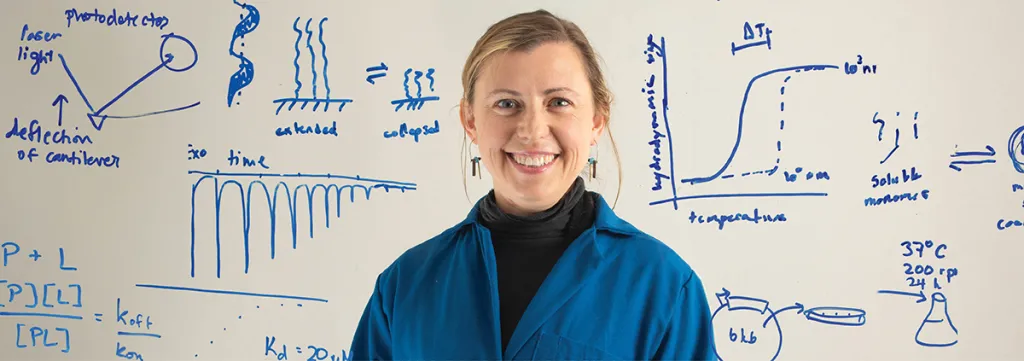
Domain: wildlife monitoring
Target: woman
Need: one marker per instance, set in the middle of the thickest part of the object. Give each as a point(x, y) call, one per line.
point(541, 268)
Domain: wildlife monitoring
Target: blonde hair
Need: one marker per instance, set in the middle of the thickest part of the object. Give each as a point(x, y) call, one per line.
point(524, 32)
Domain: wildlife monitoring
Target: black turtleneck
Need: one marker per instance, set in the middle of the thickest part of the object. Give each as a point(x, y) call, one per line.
point(526, 248)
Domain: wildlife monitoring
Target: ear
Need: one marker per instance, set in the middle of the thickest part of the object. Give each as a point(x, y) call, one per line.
point(467, 119)
point(600, 121)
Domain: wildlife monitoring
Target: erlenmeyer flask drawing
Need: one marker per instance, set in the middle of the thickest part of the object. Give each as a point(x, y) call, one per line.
point(937, 329)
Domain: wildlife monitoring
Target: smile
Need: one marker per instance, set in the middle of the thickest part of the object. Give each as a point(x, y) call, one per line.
point(532, 163)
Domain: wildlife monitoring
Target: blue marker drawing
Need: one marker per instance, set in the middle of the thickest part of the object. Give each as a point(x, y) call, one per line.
point(739, 136)
point(376, 72)
point(243, 77)
point(141, 334)
point(228, 292)
point(748, 326)
point(748, 34)
point(936, 329)
point(1015, 147)
point(338, 183)
point(658, 49)
point(314, 98)
point(415, 102)
point(989, 152)
point(168, 61)
point(59, 102)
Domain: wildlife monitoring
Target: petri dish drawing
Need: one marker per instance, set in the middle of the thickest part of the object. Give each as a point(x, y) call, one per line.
point(842, 316)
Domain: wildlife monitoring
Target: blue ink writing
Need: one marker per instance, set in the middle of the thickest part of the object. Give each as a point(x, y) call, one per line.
point(41, 336)
point(33, 132)
point(763, 32)
point(415, 133)
point(316, 129)
point(722, 219)
point(238, 159)
point(889, 179)
point(115, 19)
point(196, 153)
point(865, 68)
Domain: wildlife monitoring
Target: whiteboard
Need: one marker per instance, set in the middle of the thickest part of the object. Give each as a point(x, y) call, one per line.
point(844, 177)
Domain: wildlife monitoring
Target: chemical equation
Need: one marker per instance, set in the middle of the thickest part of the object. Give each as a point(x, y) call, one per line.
point(309, 183)
point(886, 182)
point(38, 57)
point(756, 217)
point(315, 98)
point(61, 301)
point(113, 18)
point(40, 137)
point(762, 38)
point(174, 62)
point(922, 272)
point(656, 50)
point(279, 351)
point(404, 130)
point(243, 77)
point(748, 328)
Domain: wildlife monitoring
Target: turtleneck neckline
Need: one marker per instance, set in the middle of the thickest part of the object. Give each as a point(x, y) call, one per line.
point(552, 223)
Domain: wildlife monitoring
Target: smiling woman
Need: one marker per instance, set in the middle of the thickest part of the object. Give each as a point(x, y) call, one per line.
point(541, 268)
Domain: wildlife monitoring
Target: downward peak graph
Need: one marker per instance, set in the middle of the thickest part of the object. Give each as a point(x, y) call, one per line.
point(314, 97)
point(175, 62)
point(727, 169)
point(288, 186)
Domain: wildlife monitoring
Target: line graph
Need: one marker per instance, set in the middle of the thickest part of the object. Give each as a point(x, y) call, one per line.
point(167, 61)
point(721, 172)
point(309, 183)
point(315, 99)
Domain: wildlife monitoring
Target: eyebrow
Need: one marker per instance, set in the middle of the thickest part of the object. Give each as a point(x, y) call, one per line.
point(546, 92)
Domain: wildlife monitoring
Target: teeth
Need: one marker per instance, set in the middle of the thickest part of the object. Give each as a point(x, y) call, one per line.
point(533, 161)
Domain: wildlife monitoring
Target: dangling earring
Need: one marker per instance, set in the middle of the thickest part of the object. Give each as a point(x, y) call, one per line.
point(476, 167)
point(592, 162)
point(474, 163)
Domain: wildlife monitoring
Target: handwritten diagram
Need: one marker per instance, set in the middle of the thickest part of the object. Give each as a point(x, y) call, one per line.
point(1015, 148)
point(182, 61)
point(314, 98)
point(416, 102)
point(656, 88)
point(308, 183)
point(243, 77)
point(747, 328)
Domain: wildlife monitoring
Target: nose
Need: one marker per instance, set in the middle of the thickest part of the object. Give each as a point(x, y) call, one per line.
point(533, 125)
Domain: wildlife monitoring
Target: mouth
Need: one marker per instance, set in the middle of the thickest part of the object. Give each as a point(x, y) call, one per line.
point(532, 162)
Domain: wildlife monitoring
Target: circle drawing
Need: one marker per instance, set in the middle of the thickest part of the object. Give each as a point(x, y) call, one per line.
point(174, 62)
point(1016, 148)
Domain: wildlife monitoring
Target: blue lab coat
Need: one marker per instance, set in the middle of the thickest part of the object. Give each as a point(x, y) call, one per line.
point(616, 293)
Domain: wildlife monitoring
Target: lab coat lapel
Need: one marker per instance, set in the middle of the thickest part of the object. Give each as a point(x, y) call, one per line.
point(579, 262)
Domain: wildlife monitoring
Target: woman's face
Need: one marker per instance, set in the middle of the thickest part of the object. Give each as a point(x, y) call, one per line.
point(534, 120)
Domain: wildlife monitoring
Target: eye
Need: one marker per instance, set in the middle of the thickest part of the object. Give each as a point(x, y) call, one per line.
point(506, 104)
point(560, 102)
